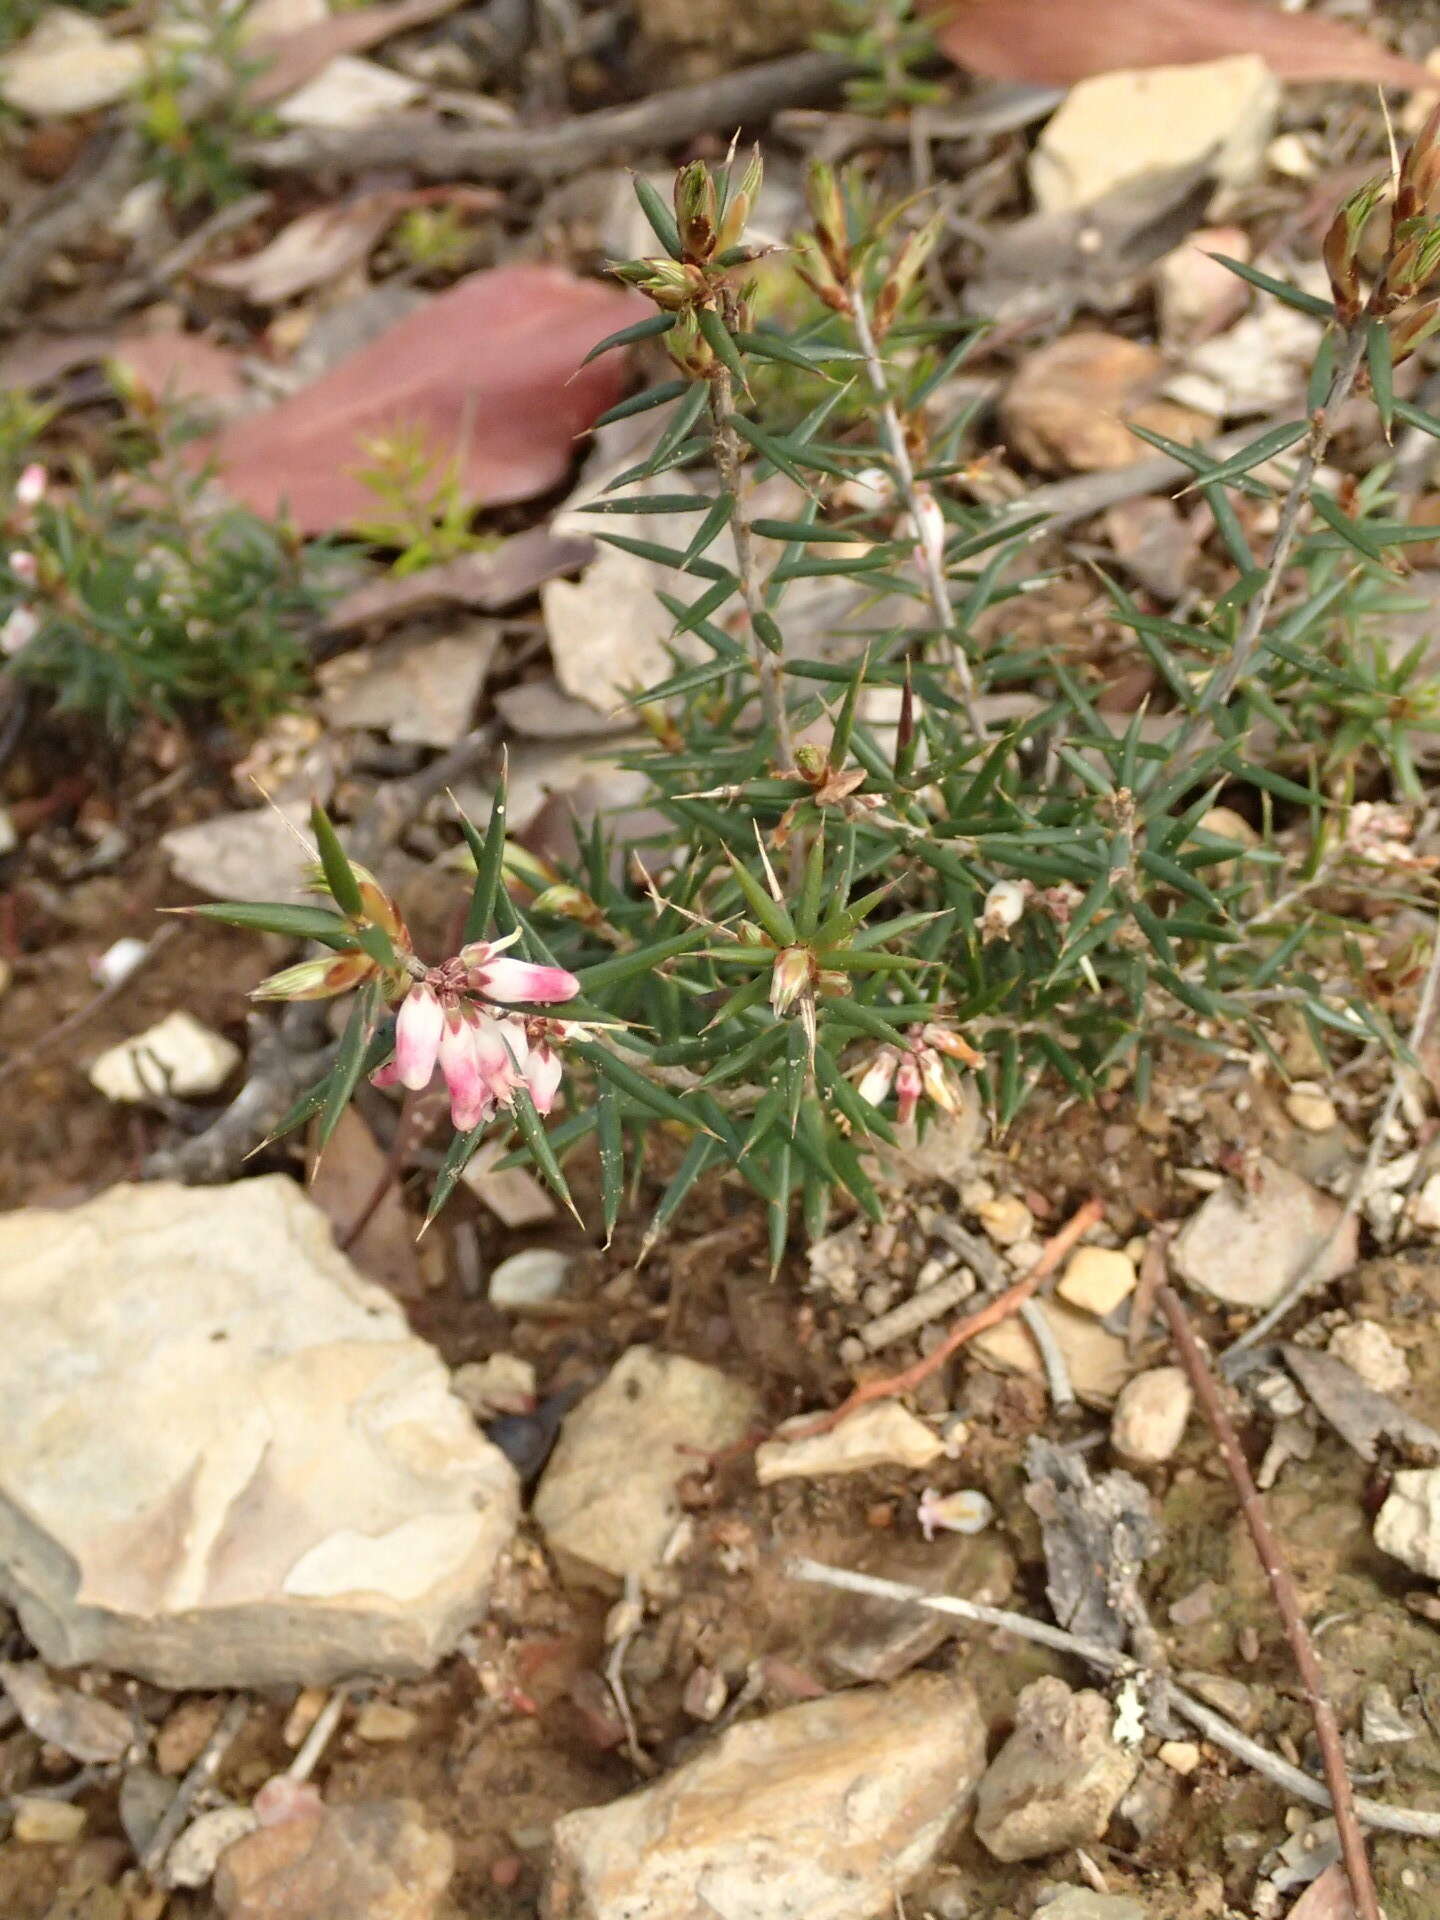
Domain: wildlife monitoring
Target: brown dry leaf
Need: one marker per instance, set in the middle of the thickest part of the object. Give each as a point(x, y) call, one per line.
point(326, 242)
point(317, 247)
point(293, 58)
point(348, 1172)
point(1052, 45)
point(491, 580)
point(488, 375)
point(1328, 1898)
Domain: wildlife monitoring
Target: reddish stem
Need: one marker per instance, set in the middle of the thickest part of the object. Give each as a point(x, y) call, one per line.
point(1287, 1602)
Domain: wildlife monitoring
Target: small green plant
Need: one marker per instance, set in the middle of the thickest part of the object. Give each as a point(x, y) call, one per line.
point(124, 596)
point(192, 105)
point(878, 877)
point(425, 513)
point(434, 239)
point(891, 42)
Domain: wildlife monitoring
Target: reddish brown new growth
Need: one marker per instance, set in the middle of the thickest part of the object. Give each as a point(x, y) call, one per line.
point(1327, 1731)
point(994, 1311)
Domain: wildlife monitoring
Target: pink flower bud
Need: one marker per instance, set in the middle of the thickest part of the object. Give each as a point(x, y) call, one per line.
point(24, 566)
point(514, 981)
point(938, 1085)
point(875, 1083)
point(542, 1077)
point(30, 487)
point(792, 973)
point(929, 528)
point(418, 1028)
point(502, 1050)
point(908, 1088)
point(19, 630)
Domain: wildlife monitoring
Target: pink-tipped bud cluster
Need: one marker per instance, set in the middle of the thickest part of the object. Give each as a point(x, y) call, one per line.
point(485, 1057)
point(918, 1071)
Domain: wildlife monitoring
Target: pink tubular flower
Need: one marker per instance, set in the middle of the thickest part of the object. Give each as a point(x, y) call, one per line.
point(30, 487)
point(875, 1083)
point(24, 566)
point(514, 981)
point(502, 1051)
point(459, 1055)
point(418, 1028)
point(908, 1088)
point(542, 1077)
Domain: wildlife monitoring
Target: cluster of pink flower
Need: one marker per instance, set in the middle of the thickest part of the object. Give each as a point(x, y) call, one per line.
point(485, 1055)
point(23, 623)
point(918, 1069)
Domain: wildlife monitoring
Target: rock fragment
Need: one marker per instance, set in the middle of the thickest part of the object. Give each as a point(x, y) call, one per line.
point(1057, 1779)
point(826, 1810)
point(1408, 1525)
point(607, 1502)
point(1113, 130)
point(177, 1056)
point(885, 1434)
point(258, 1475)
point(1150, 1415)
point(1068, 408)
point(371, 1860)
point(1097, 1279)
point(1367, 1349)
point(1244, 1244)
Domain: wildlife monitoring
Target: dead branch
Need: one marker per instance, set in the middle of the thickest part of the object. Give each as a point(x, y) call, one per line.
point(200, 1775)
point(1215, 1727)
point(423, 146)
point(1287, 1601)
point(87, 197)
point(74, 1021)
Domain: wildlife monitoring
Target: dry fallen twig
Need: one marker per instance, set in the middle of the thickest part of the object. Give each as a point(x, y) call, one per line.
point(72, 1022)
point(200, 1775)
point(435, 152)
point(994, 1311)
point(1215, 1727)
point(1287, 1601)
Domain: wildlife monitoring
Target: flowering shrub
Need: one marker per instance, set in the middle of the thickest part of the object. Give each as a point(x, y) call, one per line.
point(986, 877)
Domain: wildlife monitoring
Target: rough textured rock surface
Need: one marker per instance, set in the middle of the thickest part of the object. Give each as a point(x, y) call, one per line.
point(1408, 1525)
point(607, 1502)
point(1057, 1779)
point(1244, 1244)
point(224, 1458)
point(825, 1810)
point(373, 1860)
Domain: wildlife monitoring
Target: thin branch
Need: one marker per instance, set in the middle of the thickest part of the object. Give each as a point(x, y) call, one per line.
point(1218, 1730)
point(931, 565)
point(426, 147)
point(1316, 1266)
point(72, 1022)
point(1192, 735)
point(201, 1773)
point(990, 1315)
point(769, 667)
point(1287, 1602)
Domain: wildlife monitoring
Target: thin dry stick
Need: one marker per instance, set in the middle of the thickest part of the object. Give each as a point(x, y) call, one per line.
point(200, 1775)
point(1215, 1727)
point(1282, 1587)
point(1315, 1268)
point(769, 667)
point(994, 1311)
point(930, 563)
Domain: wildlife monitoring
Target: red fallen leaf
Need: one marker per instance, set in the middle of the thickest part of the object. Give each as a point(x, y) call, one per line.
point(486, 371)
point(1328, 1898)
point(168, 364)
point(290, 59)
point(1054, 43)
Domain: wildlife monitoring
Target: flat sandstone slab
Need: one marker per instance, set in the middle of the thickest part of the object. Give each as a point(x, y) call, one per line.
point(224, 1459)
